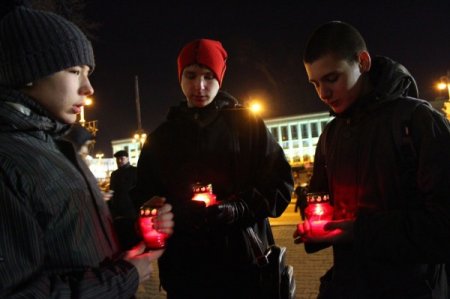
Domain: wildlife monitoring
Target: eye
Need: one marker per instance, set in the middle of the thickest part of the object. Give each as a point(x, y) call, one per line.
point(76, 71)
point(332, 78)
point(209, 76)
point(189, 75)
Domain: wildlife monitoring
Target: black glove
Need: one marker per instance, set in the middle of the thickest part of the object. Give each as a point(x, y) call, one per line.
point(226, 212)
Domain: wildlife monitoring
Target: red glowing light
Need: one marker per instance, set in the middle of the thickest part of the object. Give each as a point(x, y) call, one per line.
point(153, 239)
point(204, 193)
point(318, 212)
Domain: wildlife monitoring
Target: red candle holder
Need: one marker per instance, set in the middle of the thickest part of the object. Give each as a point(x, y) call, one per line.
point(318, 212)
point(153, 239)
point(204, 193)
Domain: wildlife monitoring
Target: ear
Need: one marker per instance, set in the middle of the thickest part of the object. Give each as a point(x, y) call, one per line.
point(365, 62)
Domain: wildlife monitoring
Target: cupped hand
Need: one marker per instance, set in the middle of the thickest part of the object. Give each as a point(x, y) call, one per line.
point(164, 221)
point(142, 260)
point(336, 231)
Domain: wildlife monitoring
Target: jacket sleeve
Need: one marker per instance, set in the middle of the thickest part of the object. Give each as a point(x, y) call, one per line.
point(421, 234)
point(24, 266)
point(269, 188)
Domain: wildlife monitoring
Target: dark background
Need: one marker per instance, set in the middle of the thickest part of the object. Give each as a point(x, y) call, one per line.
point(264, 41)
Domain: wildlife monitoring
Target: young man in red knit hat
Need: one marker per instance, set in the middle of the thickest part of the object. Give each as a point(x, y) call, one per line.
point(209, 139)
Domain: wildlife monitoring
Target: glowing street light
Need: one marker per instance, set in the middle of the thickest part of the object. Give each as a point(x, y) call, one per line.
point(444, 83)
point(255, 107)
point(87, 102)
point(140, 135)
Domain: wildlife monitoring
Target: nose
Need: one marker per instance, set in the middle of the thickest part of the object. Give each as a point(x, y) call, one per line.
point(201, 83)
point(86, 88)
point(324, 93)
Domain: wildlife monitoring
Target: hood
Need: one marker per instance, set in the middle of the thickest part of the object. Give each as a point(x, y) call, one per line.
point(391, 79)
point(204, 115)
point(19, 112)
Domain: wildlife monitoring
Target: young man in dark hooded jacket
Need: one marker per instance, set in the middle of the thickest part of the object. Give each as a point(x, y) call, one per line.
point(209, 139)
point(385, 162)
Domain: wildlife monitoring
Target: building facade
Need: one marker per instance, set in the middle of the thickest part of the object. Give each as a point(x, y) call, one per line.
point(298, 135)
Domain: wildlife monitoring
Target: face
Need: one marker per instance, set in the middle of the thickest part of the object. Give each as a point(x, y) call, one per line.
point(338, 82)
point(121, 161)
point(199, 85)
point(63, 93)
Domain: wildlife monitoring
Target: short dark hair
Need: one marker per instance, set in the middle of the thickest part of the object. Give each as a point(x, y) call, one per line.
point(336, 38)
point(121, 153)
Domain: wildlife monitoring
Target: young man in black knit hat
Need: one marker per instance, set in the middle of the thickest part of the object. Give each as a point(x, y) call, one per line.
point(56, 235)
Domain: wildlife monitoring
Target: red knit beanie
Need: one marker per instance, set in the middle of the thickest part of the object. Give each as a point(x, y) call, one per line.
point(206, 52)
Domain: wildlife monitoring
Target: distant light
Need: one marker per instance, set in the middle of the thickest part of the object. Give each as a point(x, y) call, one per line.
point(442, 85)
point(88, 101)
point(255, 107)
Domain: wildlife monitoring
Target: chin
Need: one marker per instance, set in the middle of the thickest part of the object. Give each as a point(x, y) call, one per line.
point(69, 120)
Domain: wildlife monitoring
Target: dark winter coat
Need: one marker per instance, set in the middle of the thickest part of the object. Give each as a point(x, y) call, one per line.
point(232, 149)
point(401, 205)
point(122, 181)
point(56, 238)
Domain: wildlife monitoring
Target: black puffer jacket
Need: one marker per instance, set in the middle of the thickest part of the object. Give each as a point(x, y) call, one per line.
point(232, 149)
point(402, 206)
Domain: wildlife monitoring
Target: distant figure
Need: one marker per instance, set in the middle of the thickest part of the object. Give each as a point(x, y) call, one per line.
point(122, 208)
point(300, 204)
point(82, 139)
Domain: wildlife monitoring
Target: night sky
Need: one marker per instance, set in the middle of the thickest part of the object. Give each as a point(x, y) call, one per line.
point(264, 44)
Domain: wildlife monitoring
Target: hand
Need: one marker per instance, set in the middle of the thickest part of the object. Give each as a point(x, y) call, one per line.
point(107, 195)
point(338, 231)
point(142, 260)
point(226, 212)
point(164, 221)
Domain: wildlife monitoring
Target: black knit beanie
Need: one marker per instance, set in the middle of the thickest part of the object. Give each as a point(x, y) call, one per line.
point(35, 44)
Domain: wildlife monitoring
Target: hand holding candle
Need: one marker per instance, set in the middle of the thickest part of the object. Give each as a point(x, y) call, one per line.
point(155, 222)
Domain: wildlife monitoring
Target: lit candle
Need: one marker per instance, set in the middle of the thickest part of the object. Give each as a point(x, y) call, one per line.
point(153, 239)
point(318, 212)
point(204, 193)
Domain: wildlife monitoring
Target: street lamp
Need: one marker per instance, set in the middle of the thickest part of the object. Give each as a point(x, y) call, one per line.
point(255, 107)
point(87, 102)
point(140, 135)
point(444, 83)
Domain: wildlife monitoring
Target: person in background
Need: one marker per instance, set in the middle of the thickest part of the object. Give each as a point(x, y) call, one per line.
point(211, 140)
point(56, 234)
point(124, 213)
point(82, 139)
point(387, 174)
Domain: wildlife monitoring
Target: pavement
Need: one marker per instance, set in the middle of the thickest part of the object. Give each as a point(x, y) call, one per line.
point(308, 268)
